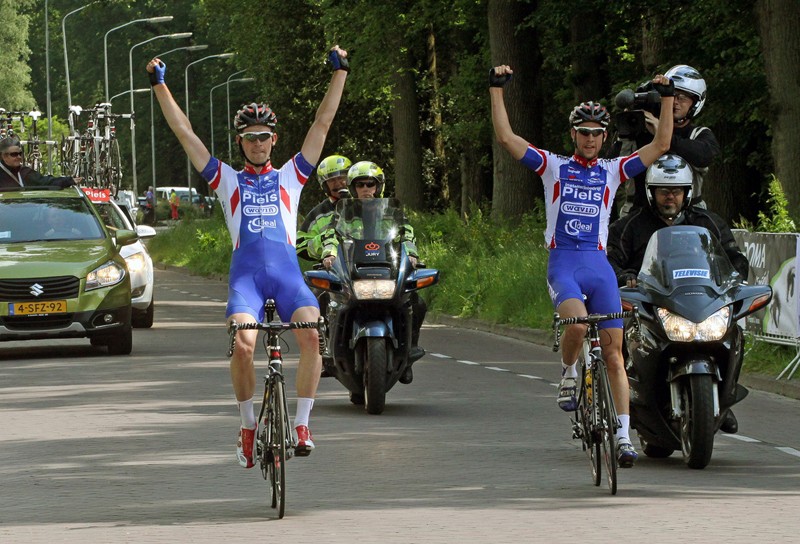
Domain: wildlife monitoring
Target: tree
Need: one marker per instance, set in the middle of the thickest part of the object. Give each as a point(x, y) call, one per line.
point(515, 187)
point(14, 71)
point(779, 21)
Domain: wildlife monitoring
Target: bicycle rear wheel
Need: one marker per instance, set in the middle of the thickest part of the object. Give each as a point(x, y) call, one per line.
point(607, 425)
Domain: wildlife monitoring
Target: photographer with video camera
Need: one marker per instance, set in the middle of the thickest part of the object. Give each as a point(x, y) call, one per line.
point(638, 122)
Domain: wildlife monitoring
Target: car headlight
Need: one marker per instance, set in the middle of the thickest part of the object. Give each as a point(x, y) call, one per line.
point(680, 329)
point(135, 262)
point(374, 289)
point(105, 276)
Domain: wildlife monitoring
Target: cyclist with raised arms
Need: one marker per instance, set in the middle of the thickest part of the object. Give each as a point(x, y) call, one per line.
point(260, 206)
point(579, 192)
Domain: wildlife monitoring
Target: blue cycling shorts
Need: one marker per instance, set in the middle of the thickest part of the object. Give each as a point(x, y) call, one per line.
point(266, 269)
point(573, 274)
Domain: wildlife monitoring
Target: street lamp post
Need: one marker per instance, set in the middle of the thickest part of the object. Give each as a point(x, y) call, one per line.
point(152, 124)
point(228, 103)
point(161, 19)
point(186, 104)
point(211, 103)
point(177, 36)
point(47, 84)
point(66, 59)
point(142, 90)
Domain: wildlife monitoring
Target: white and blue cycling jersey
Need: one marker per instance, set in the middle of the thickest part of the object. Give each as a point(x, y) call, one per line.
point(260, 210)
point(578, 195)
point(259, 204)
point(578, 198)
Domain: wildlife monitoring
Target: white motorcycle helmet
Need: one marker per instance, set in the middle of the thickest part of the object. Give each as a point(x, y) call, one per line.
point(669, 171)
point(689, 81)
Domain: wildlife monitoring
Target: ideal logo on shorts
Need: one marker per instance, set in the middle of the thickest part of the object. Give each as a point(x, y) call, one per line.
point(682, 273)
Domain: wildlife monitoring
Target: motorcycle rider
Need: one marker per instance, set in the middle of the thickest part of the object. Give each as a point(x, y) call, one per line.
point(579, 193)
point(260, 207)
point(332, 178)
point(669, 193)
point(366, 180)
point(696, 144)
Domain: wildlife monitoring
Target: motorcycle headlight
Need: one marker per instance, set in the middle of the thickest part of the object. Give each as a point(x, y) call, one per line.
point(105, 276)
point(680, 329)
point(135, 262)
point(374, 289)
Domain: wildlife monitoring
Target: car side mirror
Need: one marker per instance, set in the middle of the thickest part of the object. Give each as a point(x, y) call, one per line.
point(126, 237)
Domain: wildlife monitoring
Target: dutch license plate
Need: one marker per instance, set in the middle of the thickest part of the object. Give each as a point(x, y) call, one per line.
point(37, 308)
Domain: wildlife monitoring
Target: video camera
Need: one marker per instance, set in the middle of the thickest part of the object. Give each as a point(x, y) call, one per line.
point(631, 123)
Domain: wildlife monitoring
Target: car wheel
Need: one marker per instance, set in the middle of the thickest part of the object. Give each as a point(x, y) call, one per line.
point(122, 342)
point(144, 320)
point(98, 341)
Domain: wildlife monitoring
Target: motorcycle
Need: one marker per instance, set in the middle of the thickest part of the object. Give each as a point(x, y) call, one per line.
point(683, 365)
point(368, 295)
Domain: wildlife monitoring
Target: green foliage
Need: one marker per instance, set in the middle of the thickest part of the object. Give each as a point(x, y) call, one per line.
point(776, 218)
point(202, 245)
point(14, 52)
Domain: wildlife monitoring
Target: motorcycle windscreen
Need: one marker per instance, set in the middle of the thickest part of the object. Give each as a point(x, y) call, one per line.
point(686, 255)
point(371, 230)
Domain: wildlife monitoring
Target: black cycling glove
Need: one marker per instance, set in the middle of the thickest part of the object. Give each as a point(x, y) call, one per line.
point(665, 90)
point(498, 81)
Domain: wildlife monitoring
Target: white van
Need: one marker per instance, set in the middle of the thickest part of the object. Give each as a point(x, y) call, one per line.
point(162, 193)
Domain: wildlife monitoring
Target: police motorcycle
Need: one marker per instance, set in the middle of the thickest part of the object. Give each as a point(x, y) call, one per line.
point(684, 363)
point(369, 310)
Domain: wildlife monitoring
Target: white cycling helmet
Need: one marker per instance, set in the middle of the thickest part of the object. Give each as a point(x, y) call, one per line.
point(689, 80)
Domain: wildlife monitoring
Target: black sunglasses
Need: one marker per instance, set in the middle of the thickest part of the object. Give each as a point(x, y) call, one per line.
point(15, 154)
point(362, 184)
point(590, 131)
point(253, 136)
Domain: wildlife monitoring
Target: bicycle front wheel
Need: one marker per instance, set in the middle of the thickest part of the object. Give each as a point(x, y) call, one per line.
point(276, 444)
point(607, 425)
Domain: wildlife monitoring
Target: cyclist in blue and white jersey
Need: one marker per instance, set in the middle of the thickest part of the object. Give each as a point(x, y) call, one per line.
point(579, 192)
point(260, 205)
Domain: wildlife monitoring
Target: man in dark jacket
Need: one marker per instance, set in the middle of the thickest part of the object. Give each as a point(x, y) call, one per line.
point(13, 174)
point(696, 144)
point(669, 191)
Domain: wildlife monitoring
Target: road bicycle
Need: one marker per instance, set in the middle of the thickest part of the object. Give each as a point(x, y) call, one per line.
point(275, 441)
point(595, 420)
point(33, 155)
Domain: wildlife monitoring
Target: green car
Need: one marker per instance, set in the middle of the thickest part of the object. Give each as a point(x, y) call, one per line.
point(61, 273)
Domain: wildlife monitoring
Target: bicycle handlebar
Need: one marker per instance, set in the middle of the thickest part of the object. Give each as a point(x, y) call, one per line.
point(278, 327)
point(592, 319)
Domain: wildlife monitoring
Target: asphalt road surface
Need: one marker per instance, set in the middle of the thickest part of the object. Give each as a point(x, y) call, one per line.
point(140, 448)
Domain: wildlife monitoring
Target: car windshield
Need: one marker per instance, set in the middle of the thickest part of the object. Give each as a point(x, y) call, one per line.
point(37, 220)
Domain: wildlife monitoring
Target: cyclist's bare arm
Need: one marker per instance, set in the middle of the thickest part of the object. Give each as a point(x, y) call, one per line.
point(315, 138)
point(180, 125)
point(661, 142)
point(516, 145)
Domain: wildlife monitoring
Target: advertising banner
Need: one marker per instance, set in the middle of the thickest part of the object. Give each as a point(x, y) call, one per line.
point(773, 261)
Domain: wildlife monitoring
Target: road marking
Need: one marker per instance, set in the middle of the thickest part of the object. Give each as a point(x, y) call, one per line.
point(497, 368)
point(790, 451)
point(529, 377)
point(467, 362)
point(741, 437)
point(440, 356)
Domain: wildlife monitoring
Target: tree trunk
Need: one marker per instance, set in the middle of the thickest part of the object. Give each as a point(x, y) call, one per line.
point(516, 187)
point(440, 166)
point(779, 21)
point(588, 58)
point(729, 186)
point(652, 44)
point(407, 140)
point(471, 188)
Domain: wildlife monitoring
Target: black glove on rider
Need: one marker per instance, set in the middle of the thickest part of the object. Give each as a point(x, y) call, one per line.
point(665, 90)
point(498, 81)
point(157, 75)
point(337, 61)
